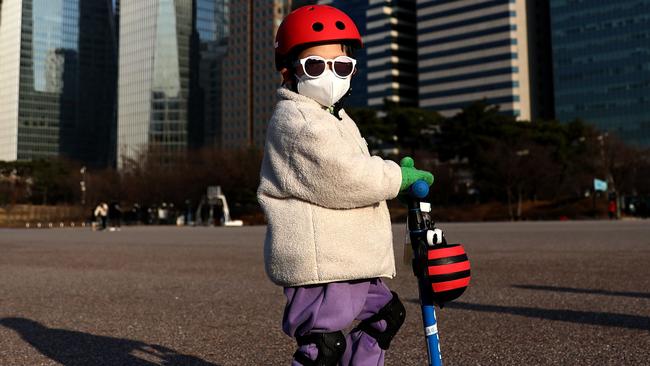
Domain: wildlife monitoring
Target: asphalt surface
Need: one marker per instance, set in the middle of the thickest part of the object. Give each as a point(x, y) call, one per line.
point(551, 293)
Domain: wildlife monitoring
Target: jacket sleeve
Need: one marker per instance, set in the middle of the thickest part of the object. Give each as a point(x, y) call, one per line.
point(326, 172)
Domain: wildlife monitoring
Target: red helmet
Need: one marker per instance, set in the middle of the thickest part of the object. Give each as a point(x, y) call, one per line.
point(313, 24)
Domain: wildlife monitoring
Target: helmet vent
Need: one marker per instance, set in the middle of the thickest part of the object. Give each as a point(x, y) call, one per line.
point(318, 26)
point(340, 25)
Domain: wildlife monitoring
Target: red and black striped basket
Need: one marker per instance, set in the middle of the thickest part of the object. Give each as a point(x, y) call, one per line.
point(448, 271)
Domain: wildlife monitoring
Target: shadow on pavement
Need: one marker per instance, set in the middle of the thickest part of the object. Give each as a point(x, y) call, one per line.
point(72, 348)
point(573, 316)
point(640, 295)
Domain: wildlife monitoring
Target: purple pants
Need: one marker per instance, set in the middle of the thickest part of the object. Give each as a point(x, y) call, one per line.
point(332, 307)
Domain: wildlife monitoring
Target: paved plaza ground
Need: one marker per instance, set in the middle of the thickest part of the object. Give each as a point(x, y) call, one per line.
point(547, 293)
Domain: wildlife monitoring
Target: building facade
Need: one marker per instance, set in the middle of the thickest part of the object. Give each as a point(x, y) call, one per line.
point(154, 70)
point(601, 60)
point(57, 80)
point(491, 50)
point(212, 33)
point(391, 51)
point(357, 10)
point(250, 78)
point(196, 73)
point(170, 79)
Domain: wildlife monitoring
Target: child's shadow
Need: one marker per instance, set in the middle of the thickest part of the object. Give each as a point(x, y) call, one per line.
point(71, 348)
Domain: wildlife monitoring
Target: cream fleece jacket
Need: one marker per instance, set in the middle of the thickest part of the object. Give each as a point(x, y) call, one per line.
point(324, 198)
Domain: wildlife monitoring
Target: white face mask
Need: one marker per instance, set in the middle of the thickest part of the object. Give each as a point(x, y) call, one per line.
point(326, 89)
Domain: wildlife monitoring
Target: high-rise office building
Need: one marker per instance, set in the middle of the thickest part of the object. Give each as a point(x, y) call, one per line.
point(250, 78)
point(154, 71)
point(601, 60)
point(357, 10)
point(170, 74)
point(492, 50)
point(212, 32)
point(391, 50)
point(57, 80)
point(196, 73)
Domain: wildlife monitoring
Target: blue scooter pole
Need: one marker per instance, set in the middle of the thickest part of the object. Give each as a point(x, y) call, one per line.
point(418, 231)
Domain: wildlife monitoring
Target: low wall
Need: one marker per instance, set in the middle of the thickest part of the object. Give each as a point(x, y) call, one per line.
point(24, 215)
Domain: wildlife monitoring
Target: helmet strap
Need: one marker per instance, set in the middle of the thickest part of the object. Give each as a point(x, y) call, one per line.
point(339, 105)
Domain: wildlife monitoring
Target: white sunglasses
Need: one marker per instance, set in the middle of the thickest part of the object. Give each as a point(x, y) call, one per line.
point(314, 66)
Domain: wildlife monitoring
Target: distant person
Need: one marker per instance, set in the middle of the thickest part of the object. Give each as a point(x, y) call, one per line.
point(163, 214)
point(189, 219)
point(329, 241)
point(643, 208)
point(611, 209)
point(101, 213)
point(136, 214)
point(115, 216)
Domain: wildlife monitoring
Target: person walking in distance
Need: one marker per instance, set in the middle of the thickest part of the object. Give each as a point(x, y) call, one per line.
point(101, 213)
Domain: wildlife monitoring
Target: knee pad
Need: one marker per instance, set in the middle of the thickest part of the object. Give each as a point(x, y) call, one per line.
point(393, 313)
point(331, 347)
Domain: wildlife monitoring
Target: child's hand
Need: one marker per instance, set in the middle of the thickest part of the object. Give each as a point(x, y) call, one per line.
point(410, 175)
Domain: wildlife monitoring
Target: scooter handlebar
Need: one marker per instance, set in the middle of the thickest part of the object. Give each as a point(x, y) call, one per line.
point(419, 190)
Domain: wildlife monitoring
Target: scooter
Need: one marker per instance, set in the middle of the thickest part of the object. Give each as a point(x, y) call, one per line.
point(442, 269)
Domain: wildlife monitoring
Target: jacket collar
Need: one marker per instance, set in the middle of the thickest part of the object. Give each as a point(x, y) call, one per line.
point(285, 93)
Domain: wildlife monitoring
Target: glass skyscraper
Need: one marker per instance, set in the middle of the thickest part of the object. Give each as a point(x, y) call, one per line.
point(484, 50)
point(154, 70)
point(57, 80)
point(212, 32)
point(250, 79)
point(601, 61)
point(170, 74)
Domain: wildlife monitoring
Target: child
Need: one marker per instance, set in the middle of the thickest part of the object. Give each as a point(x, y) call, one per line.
point(329, 239)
